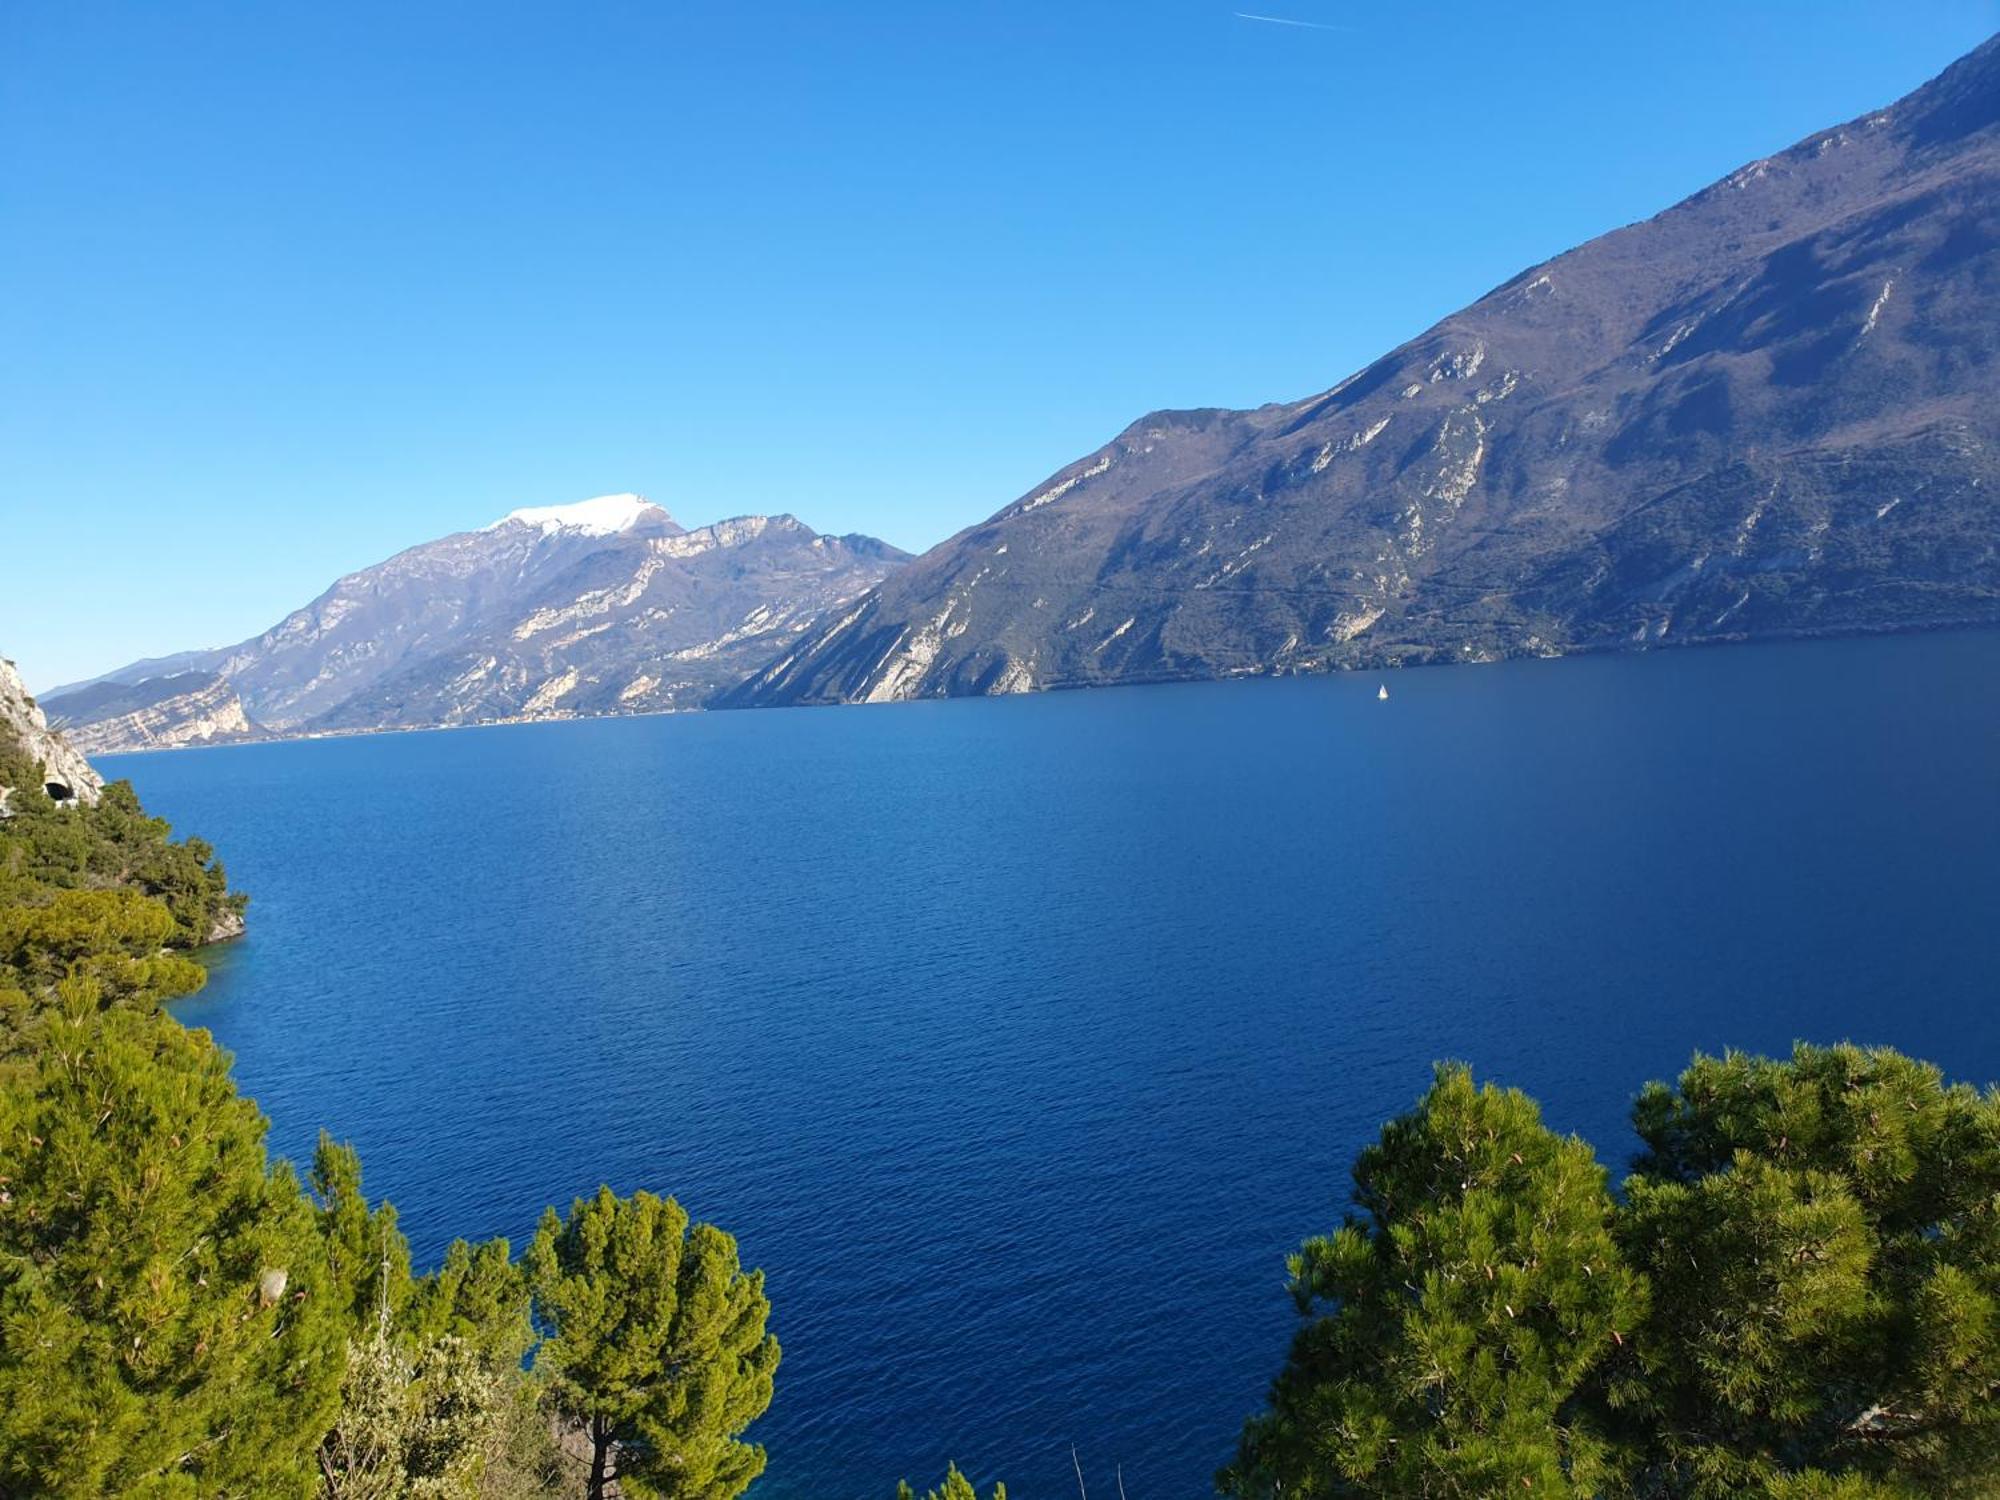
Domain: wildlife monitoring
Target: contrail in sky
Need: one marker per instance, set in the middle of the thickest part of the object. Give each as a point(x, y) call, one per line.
point(1244, 15)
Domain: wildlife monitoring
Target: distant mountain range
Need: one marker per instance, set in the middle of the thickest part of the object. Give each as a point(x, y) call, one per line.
point(606, 606)
point(1770, 411)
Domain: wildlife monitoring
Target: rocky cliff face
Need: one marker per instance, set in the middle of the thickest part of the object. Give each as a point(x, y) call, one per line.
point(382, 622)
point(66, 774)
point(1766, 412)
point(655, 622)
point(608, 606)
point(162, 713)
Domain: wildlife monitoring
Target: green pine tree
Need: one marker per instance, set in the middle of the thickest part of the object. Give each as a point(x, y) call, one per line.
point(117, 939)
point(654, 1344)
point(1823, 1239)
point(367, 1256)
point(1455, 1323)
point(479, 1295)
point(167, 1322)
point(956, 1487)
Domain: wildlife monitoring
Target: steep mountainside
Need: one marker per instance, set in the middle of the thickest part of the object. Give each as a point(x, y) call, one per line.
point(1768, 411)
point(658, 621)
point(159, 713)
point(67, 776)
point(601, 607)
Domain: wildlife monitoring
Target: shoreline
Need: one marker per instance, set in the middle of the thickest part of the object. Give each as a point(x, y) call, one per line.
point(1780, 638)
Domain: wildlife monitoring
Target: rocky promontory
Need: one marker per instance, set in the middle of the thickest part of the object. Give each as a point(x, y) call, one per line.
point(163, 713)
point(67, 776)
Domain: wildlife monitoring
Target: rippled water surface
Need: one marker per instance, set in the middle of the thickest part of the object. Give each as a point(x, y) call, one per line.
point(1019, 1040)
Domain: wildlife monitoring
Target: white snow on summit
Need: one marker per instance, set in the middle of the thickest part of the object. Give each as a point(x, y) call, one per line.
point(607, 515)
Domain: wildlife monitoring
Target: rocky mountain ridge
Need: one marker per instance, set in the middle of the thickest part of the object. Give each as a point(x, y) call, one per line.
point(605, 606)
point(156, 713)
point(1765, 412)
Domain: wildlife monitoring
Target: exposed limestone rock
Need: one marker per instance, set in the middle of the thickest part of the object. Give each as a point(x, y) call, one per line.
point(608, 606)
point(66, 774)
point(195, 708)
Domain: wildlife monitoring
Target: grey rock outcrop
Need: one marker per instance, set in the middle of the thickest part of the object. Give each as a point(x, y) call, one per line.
point(66, 774)
point(164, 713)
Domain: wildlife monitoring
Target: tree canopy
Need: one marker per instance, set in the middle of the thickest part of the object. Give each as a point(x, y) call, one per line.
point(1797, 1294)
point(654, 1340)
point(168, 1323)
point(1823, 1238)
point(955, 1487)
point(1452, 1320)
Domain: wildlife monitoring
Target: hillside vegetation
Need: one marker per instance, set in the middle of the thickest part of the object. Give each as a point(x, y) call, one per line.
point(180, 1316)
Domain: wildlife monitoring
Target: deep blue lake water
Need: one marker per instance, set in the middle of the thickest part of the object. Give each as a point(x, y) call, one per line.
point(1019, 1040)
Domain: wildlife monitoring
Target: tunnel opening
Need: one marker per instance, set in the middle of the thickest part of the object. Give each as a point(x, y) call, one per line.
point(58, 792)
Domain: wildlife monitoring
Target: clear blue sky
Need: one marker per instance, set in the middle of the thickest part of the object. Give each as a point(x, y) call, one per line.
point(290, 286)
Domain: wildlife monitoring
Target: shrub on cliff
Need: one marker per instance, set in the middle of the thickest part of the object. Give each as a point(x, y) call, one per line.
point(412, 1426)
point(116, 939)
point(20, 772)
point(110, 845)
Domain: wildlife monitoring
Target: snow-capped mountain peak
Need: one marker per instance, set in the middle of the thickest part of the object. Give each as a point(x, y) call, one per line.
point(607, 515)
point(603, 607)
